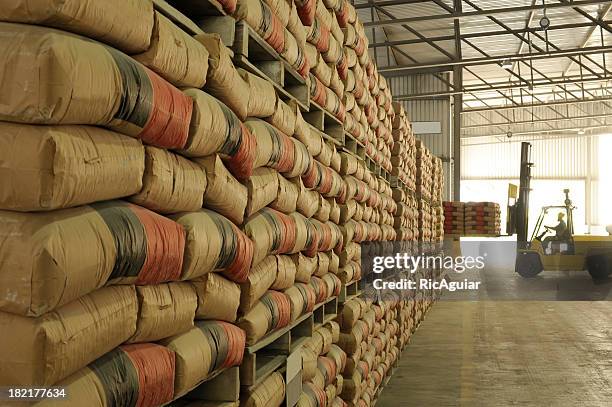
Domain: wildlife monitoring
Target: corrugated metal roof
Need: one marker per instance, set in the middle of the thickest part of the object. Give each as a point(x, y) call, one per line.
point(493, 45)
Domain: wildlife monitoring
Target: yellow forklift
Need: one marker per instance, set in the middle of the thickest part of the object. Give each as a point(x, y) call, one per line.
point(565, 251)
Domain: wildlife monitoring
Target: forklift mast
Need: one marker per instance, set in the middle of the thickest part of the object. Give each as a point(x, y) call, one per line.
point(522, 205)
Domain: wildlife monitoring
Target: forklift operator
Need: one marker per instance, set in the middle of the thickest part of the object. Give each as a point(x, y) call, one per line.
point(560, 229)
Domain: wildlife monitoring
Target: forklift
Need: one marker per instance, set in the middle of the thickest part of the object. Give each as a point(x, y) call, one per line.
point(564, 252)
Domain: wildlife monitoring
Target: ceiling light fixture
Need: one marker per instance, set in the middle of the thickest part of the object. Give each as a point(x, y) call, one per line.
point(581, 132)
point(507, 64)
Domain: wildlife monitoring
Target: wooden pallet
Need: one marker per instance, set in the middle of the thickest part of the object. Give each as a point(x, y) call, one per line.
point(372, 166)
point(254, 54)
point(270, 353)
point(197, 9)
point(325, 136)
point(352, 145)
point(325, 312)
point(325, 122)
point(293, 378)
point(225, 387)
point(177, 16)
point(349, 291)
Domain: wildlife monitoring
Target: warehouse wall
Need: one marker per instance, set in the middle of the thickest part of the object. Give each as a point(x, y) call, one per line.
point(427, 110)
point(559, 157)
point(563, 160)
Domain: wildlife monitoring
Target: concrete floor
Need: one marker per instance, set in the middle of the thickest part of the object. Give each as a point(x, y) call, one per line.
point(508, 353)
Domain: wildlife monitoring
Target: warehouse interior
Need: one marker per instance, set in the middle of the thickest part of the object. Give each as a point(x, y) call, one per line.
point(305, 203)
point(494, 78)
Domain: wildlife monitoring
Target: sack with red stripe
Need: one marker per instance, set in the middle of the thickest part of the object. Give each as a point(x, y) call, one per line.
point(215, 128)
point(262, 19)
point(40, 351)
point(71, 252)
point(274, 148)
point(207, 348)
point(272, 312)
point(131, 375)
point(214, 243)
point(302, 297)
point(272, 232)
point(91, 84)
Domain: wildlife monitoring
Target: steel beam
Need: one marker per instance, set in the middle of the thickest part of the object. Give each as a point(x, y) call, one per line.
point(500, 86)
point(419, 35)
point(485, 34)
point(534, 105)
point(457, 106)
point(542, 132)
point(538, 121)
point(481, 13)
point(602, 14)
point(389, 3)
point(500, 58)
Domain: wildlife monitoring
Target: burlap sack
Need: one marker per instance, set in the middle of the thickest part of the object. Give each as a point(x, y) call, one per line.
point(260, 279)
point(92, 84)
point(164, 310)
point(57, 164)
point(305, 267)
point(294, 53)
point(333, 283)
point(324, 209)
point(309, 363)
point(302, 159)
point(302, 299)
point(286, 273)
point(272, 232)
point(296, 27)
point(334, 213)
point(274, 148)
point(41, 351)
point(308, 201)
point(203, 243)
point(175, 55)
point(139, 372)
point(270, 393)
point(50, 259)
point(213, 126)
point(213, 242)
point(260, 17)
point(287, 195)
point(223, 80)
point(217, 298)
point(323, 71)
point(336, 161)
point(171, 183)
point(302, 235)
point(262, 189)
point(325, 155)
point(262, 95)
point(224, 194)
point(207, 346)
point(283, 118)
point(109, 21)
point(272, 311)
point(351, 312)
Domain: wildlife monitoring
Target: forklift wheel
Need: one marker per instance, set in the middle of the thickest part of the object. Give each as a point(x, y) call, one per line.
point(528, 265)
point(598, 267)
